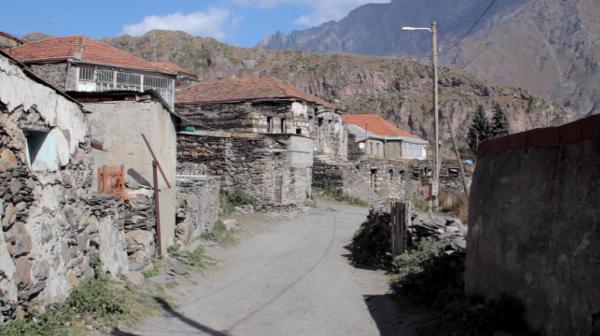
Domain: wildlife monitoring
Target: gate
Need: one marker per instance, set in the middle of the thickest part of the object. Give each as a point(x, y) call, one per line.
point(111, 180)
point(400, 223)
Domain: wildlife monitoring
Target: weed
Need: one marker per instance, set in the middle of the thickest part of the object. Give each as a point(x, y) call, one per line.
point(151, 272)
point(219, 234)
point(194, 259)
point(229, 199)
point(339, 195)
point(413, 261)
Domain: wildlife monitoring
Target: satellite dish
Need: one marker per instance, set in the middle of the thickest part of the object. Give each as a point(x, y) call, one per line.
point(362, 145)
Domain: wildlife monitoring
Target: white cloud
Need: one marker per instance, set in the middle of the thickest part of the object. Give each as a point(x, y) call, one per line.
point(213, 23)
point(321, 10)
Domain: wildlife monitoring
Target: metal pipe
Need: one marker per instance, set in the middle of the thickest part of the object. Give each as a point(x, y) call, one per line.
point(156, 208)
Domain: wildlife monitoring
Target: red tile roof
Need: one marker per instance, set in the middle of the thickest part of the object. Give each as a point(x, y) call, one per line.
point(81, 48)
point(376, 124)
point(172, 67)
point(243, 89)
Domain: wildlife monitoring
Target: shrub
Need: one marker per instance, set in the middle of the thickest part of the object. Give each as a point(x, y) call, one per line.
point(229, 199)
point(219, 234)
point(95, 298)
point(371, 245)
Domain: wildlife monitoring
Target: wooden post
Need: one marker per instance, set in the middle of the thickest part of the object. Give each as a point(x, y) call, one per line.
point(400, 212)
point(156, 207)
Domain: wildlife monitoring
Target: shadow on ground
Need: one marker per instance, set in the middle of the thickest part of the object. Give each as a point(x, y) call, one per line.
point(169, 310)
point(384, 311)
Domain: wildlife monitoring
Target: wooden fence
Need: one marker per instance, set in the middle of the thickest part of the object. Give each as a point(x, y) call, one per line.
point(400, 222)
point(111, 180)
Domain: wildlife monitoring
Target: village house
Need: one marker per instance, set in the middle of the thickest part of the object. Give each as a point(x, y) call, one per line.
point(119, 121)
point(183, 76)
point(53, 220)
point(79, 63)
point(377, 137)
point(255, 134)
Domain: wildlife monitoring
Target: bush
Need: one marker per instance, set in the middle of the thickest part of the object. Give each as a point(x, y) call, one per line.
point(371, 245)
point(229, 199)
point(412, 262)
point(95, 298)
point(219, 234)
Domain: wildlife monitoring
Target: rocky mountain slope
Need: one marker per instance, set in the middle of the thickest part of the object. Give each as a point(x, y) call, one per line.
point(396, 88)
point(547, 46)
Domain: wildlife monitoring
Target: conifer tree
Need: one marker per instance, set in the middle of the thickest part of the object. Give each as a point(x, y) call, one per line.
point(500, 125)
point(479, 130)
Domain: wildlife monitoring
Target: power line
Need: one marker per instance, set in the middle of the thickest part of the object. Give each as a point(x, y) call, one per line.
point(483, 14)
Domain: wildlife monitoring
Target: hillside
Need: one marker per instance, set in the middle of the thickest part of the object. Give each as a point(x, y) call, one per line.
point(396, 88)
point(546, 46)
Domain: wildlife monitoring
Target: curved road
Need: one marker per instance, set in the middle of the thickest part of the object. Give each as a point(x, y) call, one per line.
point(290, 279)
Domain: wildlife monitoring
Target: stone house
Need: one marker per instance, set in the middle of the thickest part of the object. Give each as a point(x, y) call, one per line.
point(378, 138)
point(79, 63)
point(117, 121)
point(52, 220)
point(256, 136)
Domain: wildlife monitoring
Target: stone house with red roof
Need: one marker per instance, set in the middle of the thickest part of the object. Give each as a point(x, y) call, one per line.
point(378, 138)
point(82, 64)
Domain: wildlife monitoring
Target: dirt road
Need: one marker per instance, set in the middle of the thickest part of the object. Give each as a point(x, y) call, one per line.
point(290, 279)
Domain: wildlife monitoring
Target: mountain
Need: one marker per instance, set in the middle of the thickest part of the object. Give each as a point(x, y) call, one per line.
point(546, 46)
point(376, 29)
point(396, 88)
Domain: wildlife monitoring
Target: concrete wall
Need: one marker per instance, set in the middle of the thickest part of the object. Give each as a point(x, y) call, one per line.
point(51, 221)
point(197, 206)
point(119, 125)
point(535, 225)
point(263, 166)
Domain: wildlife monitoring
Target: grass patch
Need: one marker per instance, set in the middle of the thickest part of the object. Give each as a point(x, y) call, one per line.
point(339, 195)
point(194, 259)
point(229, 199)
point(220, 234)
point(431, 278)
point(154, 271)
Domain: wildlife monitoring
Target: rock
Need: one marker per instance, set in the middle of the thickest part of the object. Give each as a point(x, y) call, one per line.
point(245, 209)
point(451, 229)
point(23, 272)
point(15, 186)
point(231, 224)
point(162, 279)
point(438, 222)
point(180, 270)
point(136, 278)
point(134, 267)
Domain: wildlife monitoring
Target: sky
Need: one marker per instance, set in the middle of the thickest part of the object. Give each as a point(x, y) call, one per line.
point(237, 22)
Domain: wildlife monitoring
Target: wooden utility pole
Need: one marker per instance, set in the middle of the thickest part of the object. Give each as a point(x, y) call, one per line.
point(436, 108)
point(460, 164)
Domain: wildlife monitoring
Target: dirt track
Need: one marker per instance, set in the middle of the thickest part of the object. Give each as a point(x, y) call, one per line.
point(292, 278)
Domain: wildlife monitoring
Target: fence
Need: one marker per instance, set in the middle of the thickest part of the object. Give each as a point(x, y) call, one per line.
point(111, 180)
point(400, 223)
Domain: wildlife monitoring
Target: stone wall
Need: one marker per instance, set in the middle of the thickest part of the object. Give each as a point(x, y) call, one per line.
point(259, 165)
point(534, 225)
point(197, 207)
point(331, 137)
point(51, 221)
point(55, 74)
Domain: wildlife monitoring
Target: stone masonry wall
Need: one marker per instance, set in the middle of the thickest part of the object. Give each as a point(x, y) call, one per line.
point(253, 163)
point(197, 207)
point(51, 221)
point(534, 225)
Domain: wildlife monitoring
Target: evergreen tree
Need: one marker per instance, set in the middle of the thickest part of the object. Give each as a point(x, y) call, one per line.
point(479, 130)
point(500, 125)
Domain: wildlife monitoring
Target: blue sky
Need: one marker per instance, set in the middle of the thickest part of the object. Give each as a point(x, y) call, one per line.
point(238, 22)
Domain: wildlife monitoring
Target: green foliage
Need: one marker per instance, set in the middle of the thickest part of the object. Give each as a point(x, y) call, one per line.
point(433, 278)
point(480, 129)
point(229, 199)
point(219, 234)
point(151, 272)
point(339, 195)
point(413, 261)
point(194, 259)
point(500, 125)
point(371, 244)
point(94, 299)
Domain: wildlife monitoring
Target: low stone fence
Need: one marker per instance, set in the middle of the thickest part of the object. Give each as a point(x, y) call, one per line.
point(534, 225)
point(197, 206)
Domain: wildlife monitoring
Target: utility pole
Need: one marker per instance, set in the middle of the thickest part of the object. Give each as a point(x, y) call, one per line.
point(434, 200)
point(436, 108)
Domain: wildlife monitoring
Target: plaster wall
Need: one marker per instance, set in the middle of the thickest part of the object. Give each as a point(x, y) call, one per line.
point(534, 224)
point(119, 126)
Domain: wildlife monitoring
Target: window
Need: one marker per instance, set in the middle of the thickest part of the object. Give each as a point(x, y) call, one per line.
point(391, 172)
point(105, 76)
point(86, 74)
point(371, 148)
point(373, 178)
point(320, 122)
point(269, 124)
point(283, 126)
point(35, 140)
point(299, 131)
point(129, 81)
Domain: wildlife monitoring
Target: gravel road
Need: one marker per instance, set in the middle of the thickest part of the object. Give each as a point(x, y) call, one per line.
point(291, 278)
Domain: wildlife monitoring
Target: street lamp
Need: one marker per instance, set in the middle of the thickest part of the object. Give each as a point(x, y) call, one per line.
point(434, 61)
